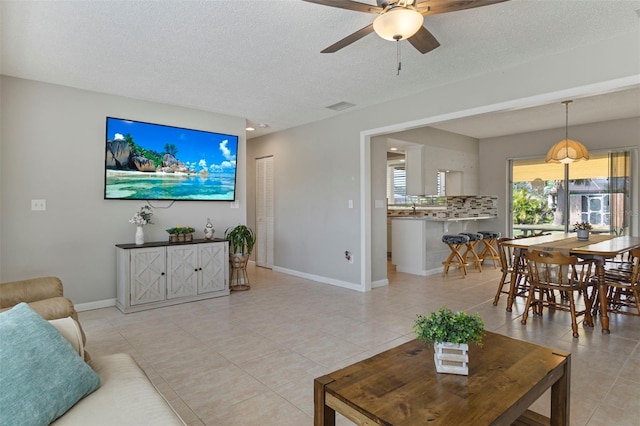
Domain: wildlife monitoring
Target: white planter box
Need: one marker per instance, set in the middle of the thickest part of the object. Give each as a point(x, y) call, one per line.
point(451, 358)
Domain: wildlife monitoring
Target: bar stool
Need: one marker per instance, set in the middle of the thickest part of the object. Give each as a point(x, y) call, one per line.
point(470, 252)
point(455, 243)
point(489, 252)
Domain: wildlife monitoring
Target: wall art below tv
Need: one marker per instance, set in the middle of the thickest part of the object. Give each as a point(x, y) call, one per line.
point(146, 161)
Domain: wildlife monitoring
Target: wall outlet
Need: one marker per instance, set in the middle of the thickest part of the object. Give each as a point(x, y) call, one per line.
point(348, 256)
point(38, 205)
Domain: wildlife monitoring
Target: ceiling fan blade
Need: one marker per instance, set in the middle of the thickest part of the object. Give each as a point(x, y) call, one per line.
point(424, 41)
point(349, 39)
point(349, 5)
point(432, 7)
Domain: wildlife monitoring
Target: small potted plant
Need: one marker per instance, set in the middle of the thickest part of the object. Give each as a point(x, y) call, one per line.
point(583, 229)
point(241, 242)
point(173, 233)
point(188, 231)
point(450, 332)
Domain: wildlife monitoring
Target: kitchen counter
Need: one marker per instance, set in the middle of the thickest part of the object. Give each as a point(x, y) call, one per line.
point(416, 238)
point(445, 220)
point(439, 219)
point(416, 241)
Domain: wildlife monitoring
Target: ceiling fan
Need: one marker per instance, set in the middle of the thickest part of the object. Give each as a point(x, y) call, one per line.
point(400, 19)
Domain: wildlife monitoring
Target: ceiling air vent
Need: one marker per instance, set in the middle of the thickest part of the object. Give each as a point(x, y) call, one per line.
point(341, 106)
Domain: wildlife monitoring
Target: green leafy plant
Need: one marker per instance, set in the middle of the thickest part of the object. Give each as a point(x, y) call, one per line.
point(448, 326)
point(529, 208)
point(241, 239)
point(181, 230)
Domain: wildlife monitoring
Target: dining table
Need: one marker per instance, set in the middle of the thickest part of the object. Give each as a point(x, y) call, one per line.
point(598, 248)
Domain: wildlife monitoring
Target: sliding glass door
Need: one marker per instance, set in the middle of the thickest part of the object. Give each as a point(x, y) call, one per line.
point(551, 197)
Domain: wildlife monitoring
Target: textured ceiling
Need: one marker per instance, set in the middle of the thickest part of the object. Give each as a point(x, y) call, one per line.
point(261, 59)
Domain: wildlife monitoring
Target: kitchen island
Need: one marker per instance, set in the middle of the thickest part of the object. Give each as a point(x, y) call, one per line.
point(416, 240)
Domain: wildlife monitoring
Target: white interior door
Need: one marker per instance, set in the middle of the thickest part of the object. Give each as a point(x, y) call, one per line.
point(264, 212)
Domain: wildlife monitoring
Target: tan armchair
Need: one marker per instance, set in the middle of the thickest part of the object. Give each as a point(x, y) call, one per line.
point(44, 295)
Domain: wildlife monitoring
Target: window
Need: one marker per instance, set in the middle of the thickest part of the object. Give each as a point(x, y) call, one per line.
point(441, 179)
point(548, 197)
point(396, 184)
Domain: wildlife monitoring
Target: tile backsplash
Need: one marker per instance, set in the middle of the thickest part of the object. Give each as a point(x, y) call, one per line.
point(468, 206)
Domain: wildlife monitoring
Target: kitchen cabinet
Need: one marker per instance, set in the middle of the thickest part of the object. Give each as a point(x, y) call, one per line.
point(421, 172)
point(161, 274)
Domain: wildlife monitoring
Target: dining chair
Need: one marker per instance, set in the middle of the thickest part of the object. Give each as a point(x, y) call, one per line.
point(550, 271)
point(619, 268)
point(510, 265)
point(622, 281)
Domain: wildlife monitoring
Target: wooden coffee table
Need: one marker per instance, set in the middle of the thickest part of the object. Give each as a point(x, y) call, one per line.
point(401, 387)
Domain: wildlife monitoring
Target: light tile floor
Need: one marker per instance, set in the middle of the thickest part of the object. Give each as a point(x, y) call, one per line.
point(250, 358)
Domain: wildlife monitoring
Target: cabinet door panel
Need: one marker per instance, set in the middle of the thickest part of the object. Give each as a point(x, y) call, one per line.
point(182, 271)
point(214, 265)
point(148, 283)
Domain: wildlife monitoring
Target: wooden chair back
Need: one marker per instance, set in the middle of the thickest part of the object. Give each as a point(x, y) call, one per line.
point(553, 268)
point(507, 255)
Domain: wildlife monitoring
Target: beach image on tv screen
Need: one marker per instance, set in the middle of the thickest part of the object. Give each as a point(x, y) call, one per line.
point(146, 161)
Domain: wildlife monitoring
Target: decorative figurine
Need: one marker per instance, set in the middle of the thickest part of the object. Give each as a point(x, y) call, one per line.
point(208, 230)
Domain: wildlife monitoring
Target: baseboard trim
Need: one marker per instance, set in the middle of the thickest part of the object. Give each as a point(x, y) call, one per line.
point(422, 272)
point(107, 303)
point(319, 278)
point(380, 283)
point(98, 304)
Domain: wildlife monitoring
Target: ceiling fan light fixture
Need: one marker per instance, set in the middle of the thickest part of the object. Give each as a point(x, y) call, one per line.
point(567, 150)
point(398, 23)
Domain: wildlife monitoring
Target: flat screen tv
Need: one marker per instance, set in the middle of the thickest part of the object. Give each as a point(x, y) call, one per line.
point(146, 161)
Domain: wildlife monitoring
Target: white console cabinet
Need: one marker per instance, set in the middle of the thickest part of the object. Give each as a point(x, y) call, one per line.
point(161, 273)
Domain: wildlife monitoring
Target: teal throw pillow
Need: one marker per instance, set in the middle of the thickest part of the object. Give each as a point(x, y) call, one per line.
point(41, 375)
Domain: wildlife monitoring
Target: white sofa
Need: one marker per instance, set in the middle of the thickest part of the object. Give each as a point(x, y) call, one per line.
point(126, 396)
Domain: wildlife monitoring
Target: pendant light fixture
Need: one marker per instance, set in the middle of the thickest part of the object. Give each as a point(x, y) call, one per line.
point(567, 150)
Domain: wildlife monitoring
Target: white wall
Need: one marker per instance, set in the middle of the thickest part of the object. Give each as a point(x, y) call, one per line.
point(379, 215)
point(53, 148)
point(495, 152)
point(315, 174)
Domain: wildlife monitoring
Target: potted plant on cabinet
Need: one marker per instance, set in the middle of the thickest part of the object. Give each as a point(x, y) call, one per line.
point(180, 234)
point(188, 233)
point(241, 242)
point(450, 332)
point(173, 234)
